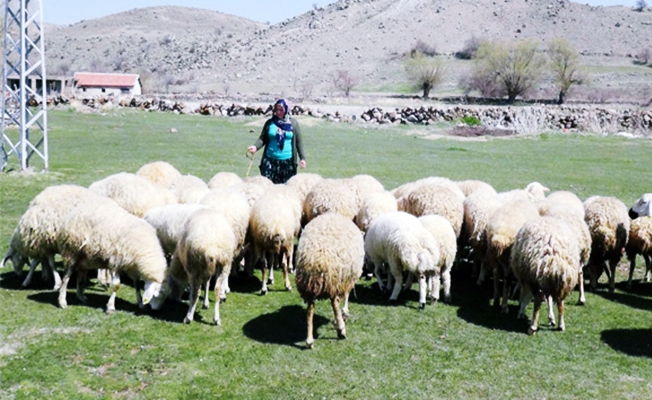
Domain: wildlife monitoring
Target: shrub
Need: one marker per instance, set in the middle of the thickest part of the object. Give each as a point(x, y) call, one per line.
point(424, 72)
point(471, 120)
point(423, 48)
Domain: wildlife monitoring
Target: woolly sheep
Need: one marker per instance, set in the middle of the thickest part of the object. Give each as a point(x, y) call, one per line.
point(168, 221)
point(367, 183)
point(224, 179)
point(563, 198)
point(329, 262)
point(444, 235)
point(251, 190)
point(471, 186)
point(502, 228)
point(274, 223)
point(438, 200)
point(639, 242)
point(134, 193)
point(478, 209)
point(37, 231)
point(105, 236)
point(373, 205)
point(399, 240)
point(536, 190)
point(608, 224)
point(189, 189)
point(331, 195)
point(304, 182)
point(160, 172)
point(402, 192)
point(205, 249)
point(641, 207)
point(260, 180)
point(545, 261)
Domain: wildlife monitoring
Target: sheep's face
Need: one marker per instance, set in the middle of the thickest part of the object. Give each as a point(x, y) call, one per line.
point(157, 301)
point(17, 261)
point(642, 207)
point(152, 291)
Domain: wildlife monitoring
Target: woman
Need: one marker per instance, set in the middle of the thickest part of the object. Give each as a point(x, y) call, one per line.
point(281, 136)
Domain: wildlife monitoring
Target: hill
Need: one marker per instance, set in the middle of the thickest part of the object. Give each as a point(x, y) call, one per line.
point(194, 50)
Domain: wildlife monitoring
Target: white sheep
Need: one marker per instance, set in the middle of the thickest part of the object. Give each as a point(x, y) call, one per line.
point(471, 186)
point(639, 242)
point(159, 172)
point(304, 182)
point(189, 189)
point(274, 223)
point(37, 231)
point(367, 183)
point(106, 236)
point(642, 207)
point(329, 262)
point(478, 209)
point(332, 195)
point(536, 190)
point(545, 259)
point(444, 235)
point(399, 240)
point(373, 205)
point(608, 223)
point(205, 249)
point(133, 193)
point(438, 200)
point(224, 179)
point(502, 228)
point(169, 221)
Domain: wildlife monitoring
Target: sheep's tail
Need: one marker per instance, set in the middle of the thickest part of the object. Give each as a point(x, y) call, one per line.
point(7, 256)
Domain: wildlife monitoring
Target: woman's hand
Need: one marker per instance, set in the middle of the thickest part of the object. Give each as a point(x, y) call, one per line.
point(252, 149)
point(302, 164)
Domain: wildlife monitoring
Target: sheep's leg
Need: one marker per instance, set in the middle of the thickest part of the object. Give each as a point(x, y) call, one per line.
point(504, 305)
point(219, 285)
point(310, 341)
point(538, 300)
point(560, 311)
point(271, 262)
point(482, 274)
point(648, 266)
point(525, 298)
point(551, 314)
point(45, 270)
point(398, 283)
point(446, 278)
point(496, 286)
point(612, 278)
point(55, 274)
point(422, 291)
point(377, 271)
point(195, 290)
point(207, 288)
point(115, 285)
point(64, 287)
point(436, 288)
point(345, 309)
point(431, 289)
point(224, 289)
point(580, 281)
point(632, 265)
point(286, 255)
point(139, 298)
point(81, 277)
point(339, 321)
point(408, 282)
point(596, 270)
point(30, 274)
point(263, 290)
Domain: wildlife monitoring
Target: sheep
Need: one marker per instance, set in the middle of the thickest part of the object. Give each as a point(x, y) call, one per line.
point(536, 190)
point(367, 183)
point(564, 198)
point(373, 205)
point(160, 172)
point(471, 186)
point(331, 195)
point(444, 235)
point(132, 192)
point(641, 207)
point(205, 249)
point(274, 223)
point(169, 221)
point(189, 189)
point(639, 242)
point(260, 180)
point(478, 209)
point(224, 179)
point(105, 236)
point(36, 234)
point(399, 240)
point(402, 192)
point(304, 182)
point(609, 223)
point(251, 190)
point(545, 259)
point(329, 262)
point(502, 228)
point(439, 200)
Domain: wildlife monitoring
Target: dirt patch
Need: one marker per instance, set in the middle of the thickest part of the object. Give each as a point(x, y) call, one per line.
point(480, 131)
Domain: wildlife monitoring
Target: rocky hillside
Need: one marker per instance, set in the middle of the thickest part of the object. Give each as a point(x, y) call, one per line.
point(176, 48)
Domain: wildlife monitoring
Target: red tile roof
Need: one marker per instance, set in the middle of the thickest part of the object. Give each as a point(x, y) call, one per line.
point(105, 80)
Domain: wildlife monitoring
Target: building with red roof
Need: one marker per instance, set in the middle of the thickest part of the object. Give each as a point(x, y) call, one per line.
point(92, 83)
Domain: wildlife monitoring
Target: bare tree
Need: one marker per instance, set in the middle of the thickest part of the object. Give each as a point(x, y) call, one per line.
point(566, 68)
point(344, 81)
point(424, 72)
point(514, 67)
point(640, 5)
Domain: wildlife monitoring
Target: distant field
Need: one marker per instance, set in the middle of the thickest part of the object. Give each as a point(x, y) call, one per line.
point(461, 350)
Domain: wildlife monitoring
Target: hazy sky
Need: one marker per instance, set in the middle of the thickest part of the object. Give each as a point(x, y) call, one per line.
point(71, 11)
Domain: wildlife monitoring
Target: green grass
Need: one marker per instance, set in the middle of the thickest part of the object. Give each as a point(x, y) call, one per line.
point(463, 350)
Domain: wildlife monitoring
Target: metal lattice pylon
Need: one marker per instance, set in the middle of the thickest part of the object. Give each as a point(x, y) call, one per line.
point(24, 85)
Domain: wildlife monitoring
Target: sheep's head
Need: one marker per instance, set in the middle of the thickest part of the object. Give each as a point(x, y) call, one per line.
point(17, 260)
point(152, 294)
point(536, 190)
point(642, 207)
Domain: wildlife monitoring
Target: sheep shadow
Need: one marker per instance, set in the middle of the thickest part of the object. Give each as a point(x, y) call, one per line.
point(93, 300)
point(11, 281)
point(626, 298)
point(281, 327)
point(633, 342)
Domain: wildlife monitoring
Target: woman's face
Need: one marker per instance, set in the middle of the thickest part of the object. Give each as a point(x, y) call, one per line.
point(279, 111)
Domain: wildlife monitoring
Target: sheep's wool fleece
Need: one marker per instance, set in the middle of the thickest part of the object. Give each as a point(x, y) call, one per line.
point(546, 257)
point(160, 172)
point(329, 257)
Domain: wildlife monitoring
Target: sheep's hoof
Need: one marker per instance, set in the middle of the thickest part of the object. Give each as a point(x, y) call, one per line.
point(345, 316)
point(581, 302)
point(205, 306)
point(270, 281)
point(218, 322)
point(82, 299)
point(341, 333)
point(422, 306)
point(310, 344)
point(223, 299)
point(504, 310)
point(447, 299)
point(288, 288)
point(110, 311)
point(187, 320)
point(552, 323)
point(532, 331)
point(63, 305)
point(561, 328)
point(263, 292)
point(392, 302)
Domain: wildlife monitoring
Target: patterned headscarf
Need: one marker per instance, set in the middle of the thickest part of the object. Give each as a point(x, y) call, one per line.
point(284, 124)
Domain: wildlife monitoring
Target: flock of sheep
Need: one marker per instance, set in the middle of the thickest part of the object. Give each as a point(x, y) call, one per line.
point(176, 232)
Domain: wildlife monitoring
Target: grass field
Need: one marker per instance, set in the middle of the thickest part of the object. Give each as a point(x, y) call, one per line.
point(463, 350)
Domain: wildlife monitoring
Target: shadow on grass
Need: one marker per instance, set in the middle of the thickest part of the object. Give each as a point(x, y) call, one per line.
point(283, 327)
point(628, 298)
point(368, 293)
point(93, 300)
point(633, 342)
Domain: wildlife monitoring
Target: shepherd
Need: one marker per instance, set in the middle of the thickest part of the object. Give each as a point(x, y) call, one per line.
point(281, 137)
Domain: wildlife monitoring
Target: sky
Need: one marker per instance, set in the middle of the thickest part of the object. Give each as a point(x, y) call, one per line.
point(64, 12)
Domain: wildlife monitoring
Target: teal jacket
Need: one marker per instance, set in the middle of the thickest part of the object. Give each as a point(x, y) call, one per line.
point(297, 145)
